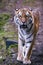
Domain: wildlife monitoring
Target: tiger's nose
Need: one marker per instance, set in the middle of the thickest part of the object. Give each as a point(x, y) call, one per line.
point(23, 20)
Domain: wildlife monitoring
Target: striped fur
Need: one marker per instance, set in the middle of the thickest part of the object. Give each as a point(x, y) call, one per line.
point(26, 31)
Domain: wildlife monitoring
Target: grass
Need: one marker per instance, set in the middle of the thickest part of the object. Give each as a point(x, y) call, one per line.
point(12, 47)
point(3, 45)
point(3, 19)
point(10, 34)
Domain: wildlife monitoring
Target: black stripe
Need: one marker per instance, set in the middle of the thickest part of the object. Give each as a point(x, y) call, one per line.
point(22, 32)
point(30, 21)
point(29, 36)
point(30, 28)
point(24, 53)
point(23, 42)
point(17, 21)
point(21, 39)
point(29, 42)
point(20, 35)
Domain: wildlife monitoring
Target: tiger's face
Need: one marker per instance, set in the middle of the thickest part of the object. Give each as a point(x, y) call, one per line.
point(24, 15)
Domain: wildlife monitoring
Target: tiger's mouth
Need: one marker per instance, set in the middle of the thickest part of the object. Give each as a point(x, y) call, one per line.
point(23, 26)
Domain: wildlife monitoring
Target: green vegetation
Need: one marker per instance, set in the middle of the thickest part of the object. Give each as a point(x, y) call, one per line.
point(3, 19)
point(1, 46)
point(12, 48)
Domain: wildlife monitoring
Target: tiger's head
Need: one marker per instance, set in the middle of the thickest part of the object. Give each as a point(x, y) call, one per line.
point(24, 15)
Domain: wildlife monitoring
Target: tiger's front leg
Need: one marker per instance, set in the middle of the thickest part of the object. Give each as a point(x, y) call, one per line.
point(20, 50)
point(27, 53)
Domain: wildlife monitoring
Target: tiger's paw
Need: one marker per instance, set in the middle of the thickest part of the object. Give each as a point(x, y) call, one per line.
point(26, 62)
point(19, 59)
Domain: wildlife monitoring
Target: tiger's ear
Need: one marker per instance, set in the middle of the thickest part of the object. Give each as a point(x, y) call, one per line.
point(16, 11)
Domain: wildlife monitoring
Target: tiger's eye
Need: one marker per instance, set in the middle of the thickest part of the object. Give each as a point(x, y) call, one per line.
point(27, 13)
point(27, 16)
point(20, 16)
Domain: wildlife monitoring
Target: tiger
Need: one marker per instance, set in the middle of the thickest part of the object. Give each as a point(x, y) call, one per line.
point(27, 22)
